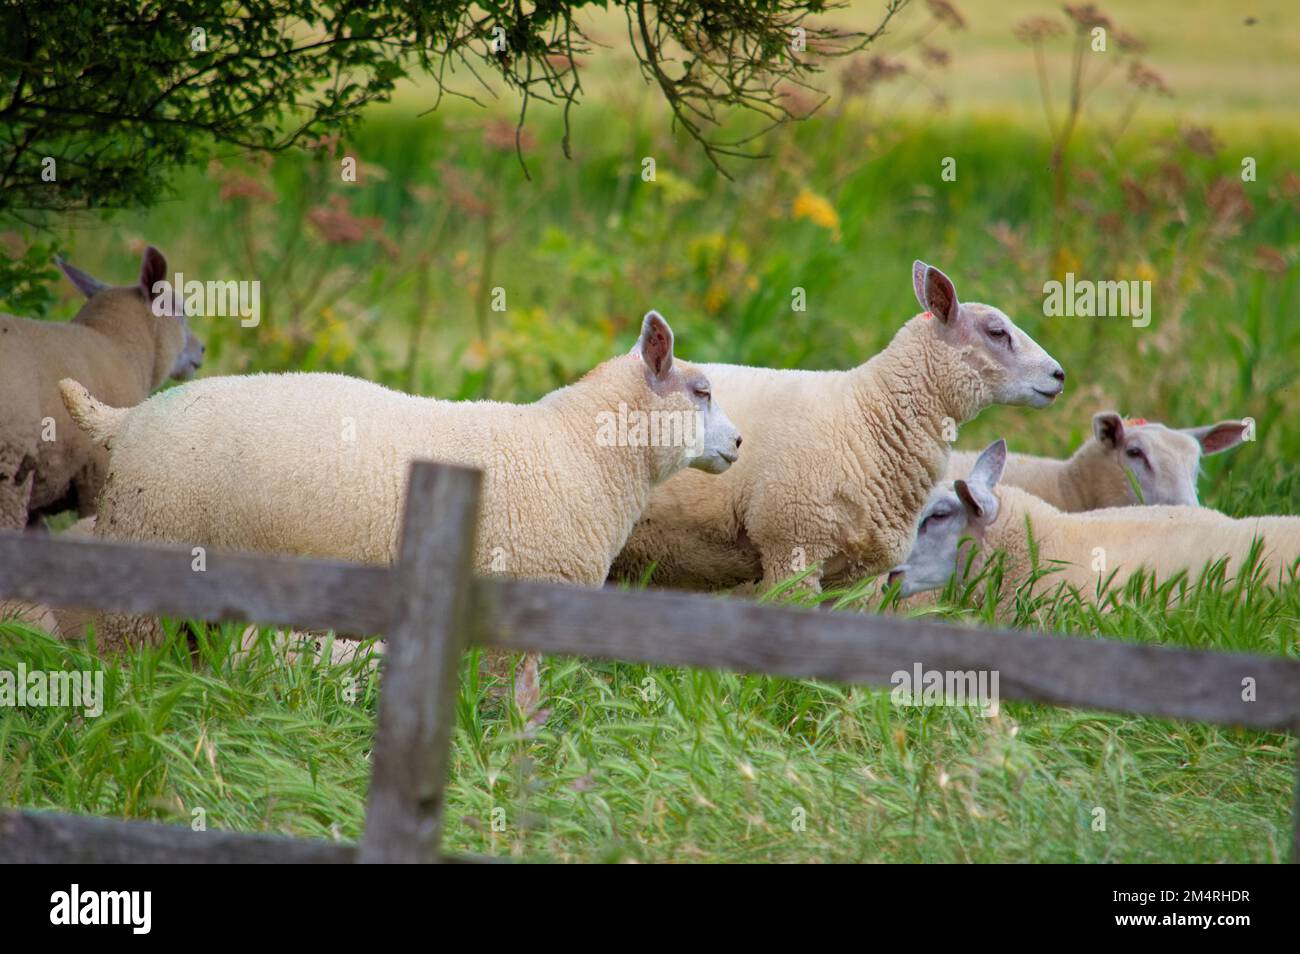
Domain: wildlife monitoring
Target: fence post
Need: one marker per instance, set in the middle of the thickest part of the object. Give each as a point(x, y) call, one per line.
point(417, 700)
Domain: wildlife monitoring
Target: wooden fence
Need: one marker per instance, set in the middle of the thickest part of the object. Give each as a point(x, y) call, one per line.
point(431, 607)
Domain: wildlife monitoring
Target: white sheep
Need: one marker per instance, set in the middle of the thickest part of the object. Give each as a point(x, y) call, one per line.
point(1091, 552)
point(118, 348)
point(316, 464)
point(1165, 462)
point(837, 464)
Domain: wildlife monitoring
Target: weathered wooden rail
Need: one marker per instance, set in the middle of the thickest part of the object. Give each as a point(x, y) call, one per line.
point(431, 607)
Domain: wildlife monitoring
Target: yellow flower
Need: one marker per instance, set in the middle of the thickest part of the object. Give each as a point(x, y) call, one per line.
point(810, 205)
point(1145, 272)
point(1066, 261)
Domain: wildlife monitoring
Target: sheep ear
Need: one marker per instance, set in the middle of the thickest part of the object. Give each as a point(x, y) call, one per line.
point(990, 464)
point(940, 296)
point(86, 284)
point(656, 344)
point(153, 269)
point(918, 282)
point(1108, 428)
point(980, 503)
point(1216, 438)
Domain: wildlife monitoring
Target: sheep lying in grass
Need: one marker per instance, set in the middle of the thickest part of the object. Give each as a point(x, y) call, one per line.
point(1090, 552)
point(1164, 462)
point(316, 464)
point(118, 348)
point(837, 464)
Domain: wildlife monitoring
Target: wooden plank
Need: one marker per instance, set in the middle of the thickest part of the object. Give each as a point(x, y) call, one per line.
point(48, 838)
point(160, 580)
point(434, 575)
point(680, 629)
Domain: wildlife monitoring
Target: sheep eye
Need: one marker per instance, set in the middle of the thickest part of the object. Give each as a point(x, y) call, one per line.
point(703, 393)
point(935, 517)
point(1134, 452)
point(997, 333)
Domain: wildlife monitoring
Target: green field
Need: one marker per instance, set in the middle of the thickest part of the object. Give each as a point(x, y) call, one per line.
point(391, 278)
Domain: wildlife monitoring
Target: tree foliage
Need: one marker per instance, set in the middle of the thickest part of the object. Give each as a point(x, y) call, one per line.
point(119, 92)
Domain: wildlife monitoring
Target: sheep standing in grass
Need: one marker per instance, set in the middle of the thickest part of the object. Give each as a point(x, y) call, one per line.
point(1164, 462)
point(1089, 552)
point(316, 464)
point(837, 464)
point(118, 348)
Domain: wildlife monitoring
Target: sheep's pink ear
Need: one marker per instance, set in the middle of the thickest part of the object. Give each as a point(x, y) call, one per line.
point(979, 502)
point(1216, 438)
point(656, 344)
point(86, 284)
point(153, 269)
point(990, 464)
point(918, 282)
point(1108, 428)
point(940, 296)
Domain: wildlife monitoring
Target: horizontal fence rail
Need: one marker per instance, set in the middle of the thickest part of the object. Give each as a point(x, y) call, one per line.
point(686, 629)
point(161, 580)
point(47, 838)
point(431, 607)
point(681, 629)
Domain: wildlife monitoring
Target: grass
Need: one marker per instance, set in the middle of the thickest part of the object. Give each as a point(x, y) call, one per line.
point(637, 763)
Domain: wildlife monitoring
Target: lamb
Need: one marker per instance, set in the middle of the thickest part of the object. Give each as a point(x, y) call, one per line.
point(838, 464)
point(316, 464)
point(1090, 552)
point(118, 348)
point(1164, 462)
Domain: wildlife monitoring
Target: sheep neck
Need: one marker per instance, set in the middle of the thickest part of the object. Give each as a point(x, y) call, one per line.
point(126, 329)
point(627, 473)
point(917, 386)
point(1019, 514)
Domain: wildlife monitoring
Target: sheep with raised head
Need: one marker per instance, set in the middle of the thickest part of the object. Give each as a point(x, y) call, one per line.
point(1093, 552)
point(119, 348)
point(837, 464)
point(1164, 462)
point(316, 464)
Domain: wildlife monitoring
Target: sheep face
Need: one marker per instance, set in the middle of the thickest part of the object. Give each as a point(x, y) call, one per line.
point(954, 519)
point(1164, 462)
point(177, 352)
point(687, 428)
point(1013, 366)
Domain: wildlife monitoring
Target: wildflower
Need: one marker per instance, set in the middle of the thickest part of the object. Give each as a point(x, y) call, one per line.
point(945, 12)
point(810, 205)
point(1037, 28)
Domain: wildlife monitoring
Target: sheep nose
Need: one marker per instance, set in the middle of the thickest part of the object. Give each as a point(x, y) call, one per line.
point(737, 441)
point(1059, 374)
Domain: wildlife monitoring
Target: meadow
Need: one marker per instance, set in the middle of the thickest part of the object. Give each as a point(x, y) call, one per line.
point(398, 278)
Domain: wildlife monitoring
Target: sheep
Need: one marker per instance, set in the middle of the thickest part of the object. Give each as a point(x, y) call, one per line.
point(1090, 552)
point(1164, 462)
point(837, 464)
point(118, 348)
point(316, 464)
